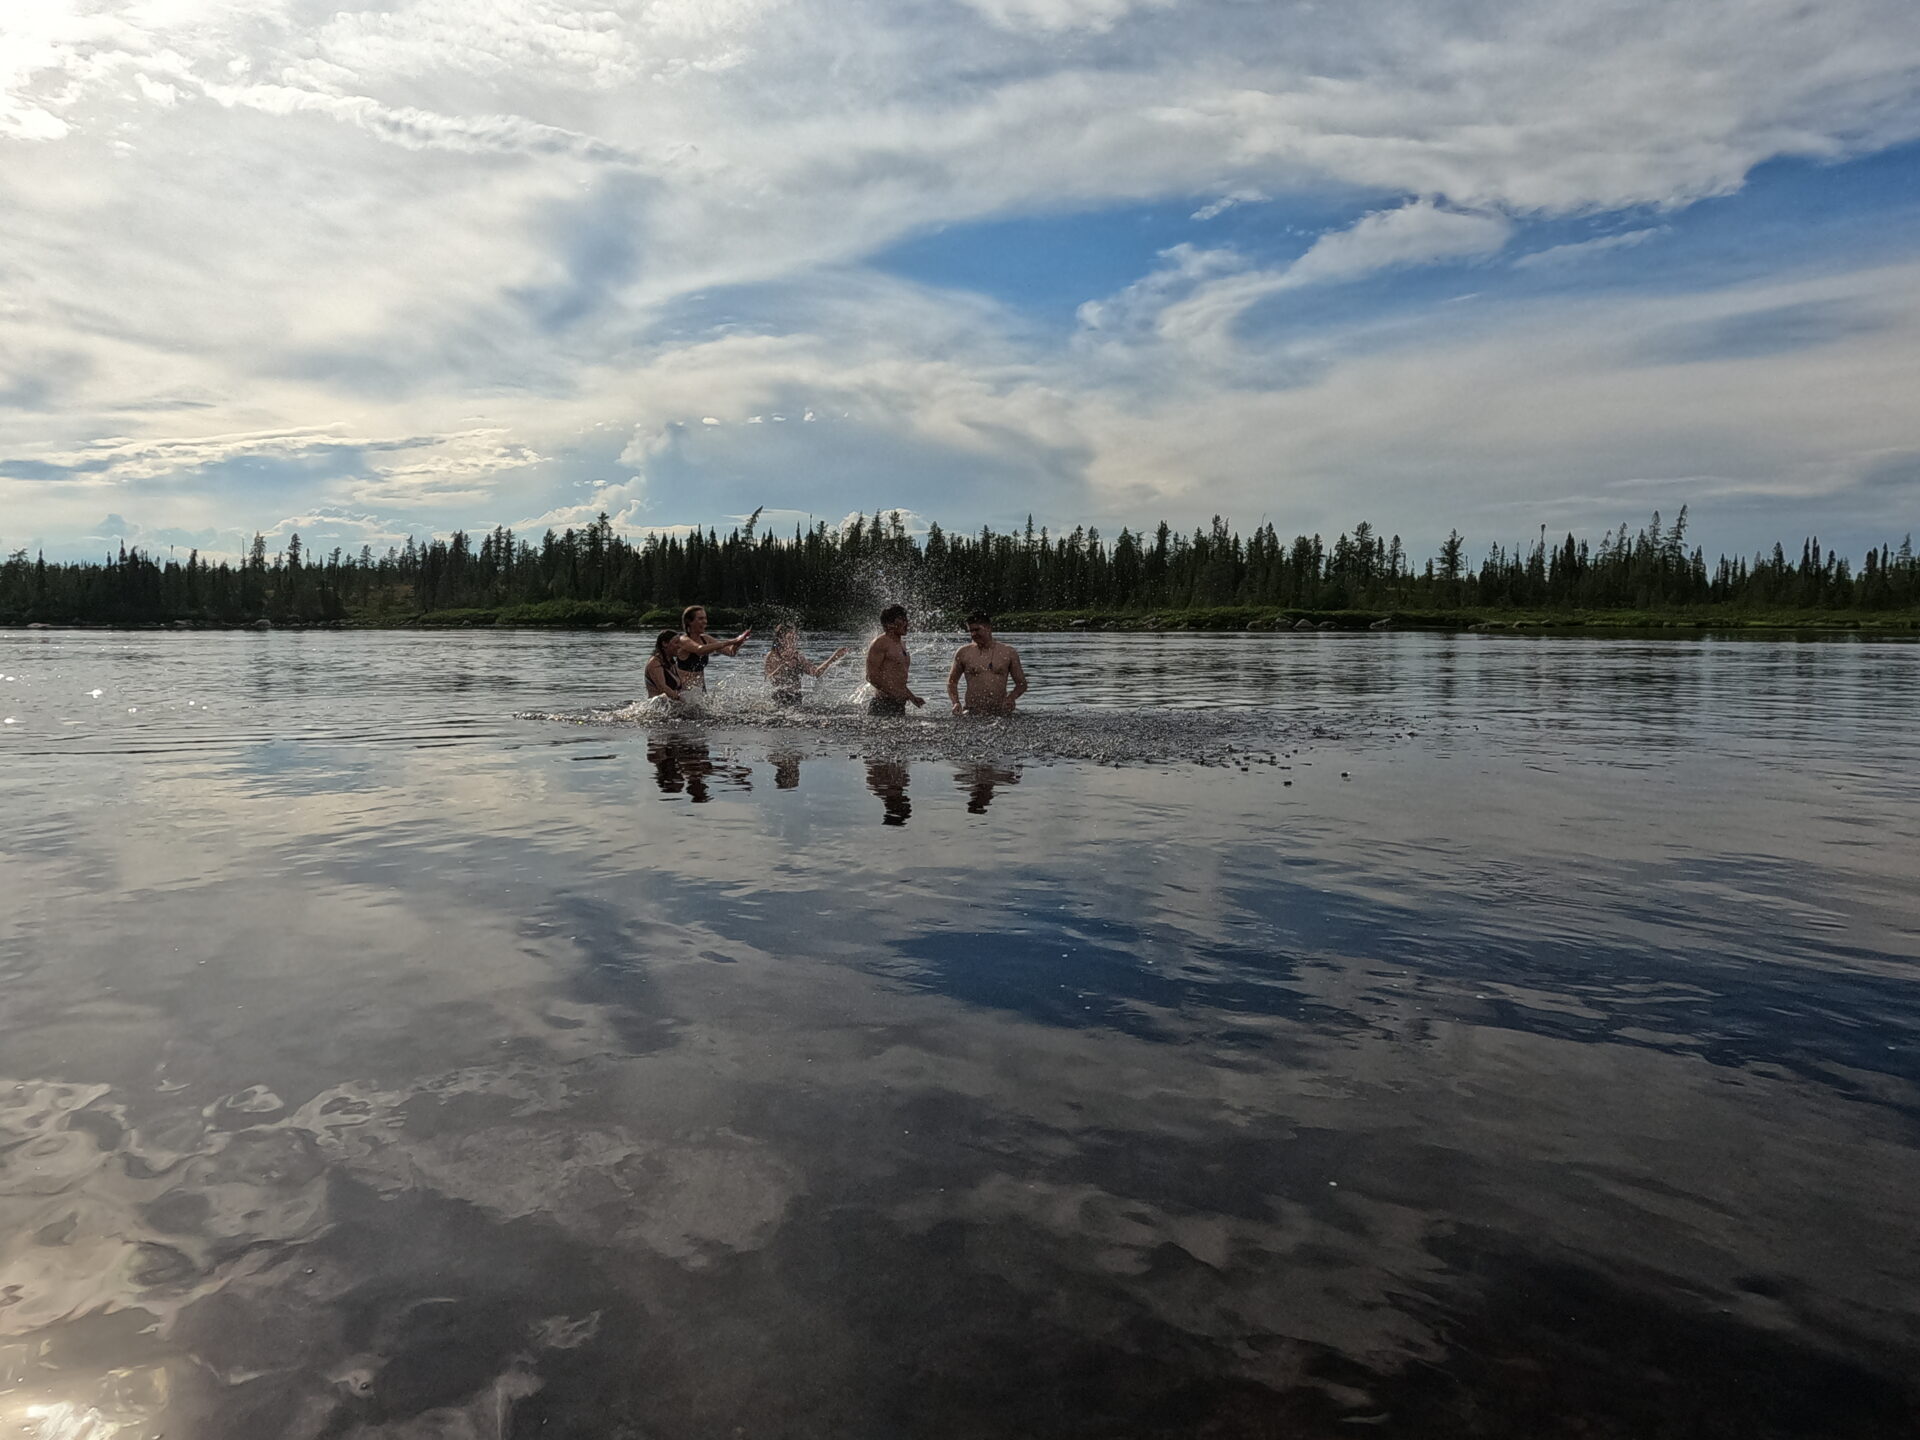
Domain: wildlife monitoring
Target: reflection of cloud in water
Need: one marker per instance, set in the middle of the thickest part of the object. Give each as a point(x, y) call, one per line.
point(1159, 1097)
point(1300, 1202)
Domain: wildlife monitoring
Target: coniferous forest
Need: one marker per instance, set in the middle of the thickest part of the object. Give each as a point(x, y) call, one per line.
point(1213, 576)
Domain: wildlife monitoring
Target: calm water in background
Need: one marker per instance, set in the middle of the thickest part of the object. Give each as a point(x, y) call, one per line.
point(1450, 1036)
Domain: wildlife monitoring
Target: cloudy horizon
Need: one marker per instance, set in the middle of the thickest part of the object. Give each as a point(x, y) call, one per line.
point(401, 269)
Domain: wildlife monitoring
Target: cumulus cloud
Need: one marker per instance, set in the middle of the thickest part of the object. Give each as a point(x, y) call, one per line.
point(624, 503)
point(911, 521)
point(323, 241)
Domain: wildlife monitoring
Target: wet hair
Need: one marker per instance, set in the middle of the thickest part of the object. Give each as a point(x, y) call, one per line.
point(893, 613)
point(980, 617)
point(786, 627)
point(686, 615)
point(660, 644)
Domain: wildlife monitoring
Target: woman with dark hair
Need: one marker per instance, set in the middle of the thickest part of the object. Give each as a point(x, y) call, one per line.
point(663, 670)
point(786, 665)
point(693, 645)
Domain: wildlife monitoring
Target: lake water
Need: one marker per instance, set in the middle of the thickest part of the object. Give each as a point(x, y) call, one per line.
point(1338, 1035)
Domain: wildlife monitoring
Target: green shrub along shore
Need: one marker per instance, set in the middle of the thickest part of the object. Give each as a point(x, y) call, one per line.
point(573, 615)
point(609, 615)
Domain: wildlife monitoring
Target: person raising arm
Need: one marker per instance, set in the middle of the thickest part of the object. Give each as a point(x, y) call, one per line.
point(785, 665)
point(693, 646)
point(887, 665)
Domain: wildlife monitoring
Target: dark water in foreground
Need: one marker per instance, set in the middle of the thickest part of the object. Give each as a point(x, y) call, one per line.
point(1420, 1036)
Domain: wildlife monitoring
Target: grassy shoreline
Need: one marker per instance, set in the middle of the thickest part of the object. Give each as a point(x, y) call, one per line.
point(601, 615)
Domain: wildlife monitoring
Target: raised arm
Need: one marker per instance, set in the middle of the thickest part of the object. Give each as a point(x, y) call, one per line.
point(713, 644)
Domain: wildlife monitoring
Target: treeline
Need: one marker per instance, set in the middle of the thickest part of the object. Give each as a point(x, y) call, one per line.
point(831, 573)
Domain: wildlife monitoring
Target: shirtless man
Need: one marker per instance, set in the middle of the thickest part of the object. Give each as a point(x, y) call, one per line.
point(987, 665)
point(887, 662)
point(694, 645)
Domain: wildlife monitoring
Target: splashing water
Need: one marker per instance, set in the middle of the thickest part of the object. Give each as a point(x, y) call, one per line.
point(1041, 734)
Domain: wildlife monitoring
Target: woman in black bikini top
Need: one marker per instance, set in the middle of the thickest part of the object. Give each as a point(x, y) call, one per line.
point(663, 674)
point(693, 646)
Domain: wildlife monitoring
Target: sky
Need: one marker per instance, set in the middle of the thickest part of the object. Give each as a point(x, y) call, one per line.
point(365, 270)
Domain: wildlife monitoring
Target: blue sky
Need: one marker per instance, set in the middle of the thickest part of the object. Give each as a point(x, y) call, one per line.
point(368, 270)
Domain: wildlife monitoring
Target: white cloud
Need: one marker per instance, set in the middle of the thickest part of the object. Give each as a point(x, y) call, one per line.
point(623, 503)
point(283, 228)
point(1053, 16)
point(1226, 202)
point(1573, 254)
point(1196, 297)
point(1421, 233)
point(911, 521)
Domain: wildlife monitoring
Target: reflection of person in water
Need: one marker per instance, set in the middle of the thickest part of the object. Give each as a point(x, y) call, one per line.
point(682, 765)
point(693, 646)
point(887, 664)
point(786, 665)
point(987, 665)
point(663, 672)
point(979, 780)
point(786, 769)
point(888, 780)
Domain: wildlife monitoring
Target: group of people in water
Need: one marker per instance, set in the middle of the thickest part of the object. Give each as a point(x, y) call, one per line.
point(988, 667)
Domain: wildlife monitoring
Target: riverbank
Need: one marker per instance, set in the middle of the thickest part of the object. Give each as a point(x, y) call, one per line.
point(602, 615)
point(1262, 618)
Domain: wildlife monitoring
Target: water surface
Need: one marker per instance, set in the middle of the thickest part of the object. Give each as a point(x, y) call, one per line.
point(1266, 1035)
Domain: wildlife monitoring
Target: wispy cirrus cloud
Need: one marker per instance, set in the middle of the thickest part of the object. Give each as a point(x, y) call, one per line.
point(1555, 256)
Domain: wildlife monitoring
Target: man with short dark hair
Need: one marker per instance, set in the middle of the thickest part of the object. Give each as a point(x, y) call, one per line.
point(887, 665)
point(987, 665)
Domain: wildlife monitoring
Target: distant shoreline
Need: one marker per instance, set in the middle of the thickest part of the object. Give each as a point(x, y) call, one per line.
point(1198, 621)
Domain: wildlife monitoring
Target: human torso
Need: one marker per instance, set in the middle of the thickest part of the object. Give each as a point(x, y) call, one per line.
point(890, 662)
point(663, 678)
point(693, 666)
point(986, 673)
point(784, 669)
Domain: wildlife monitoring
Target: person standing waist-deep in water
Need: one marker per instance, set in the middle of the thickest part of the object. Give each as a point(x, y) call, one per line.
point(987, 665)
point(692, 647)
point(663, 674)
point(887, 663)
point(786, 665)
